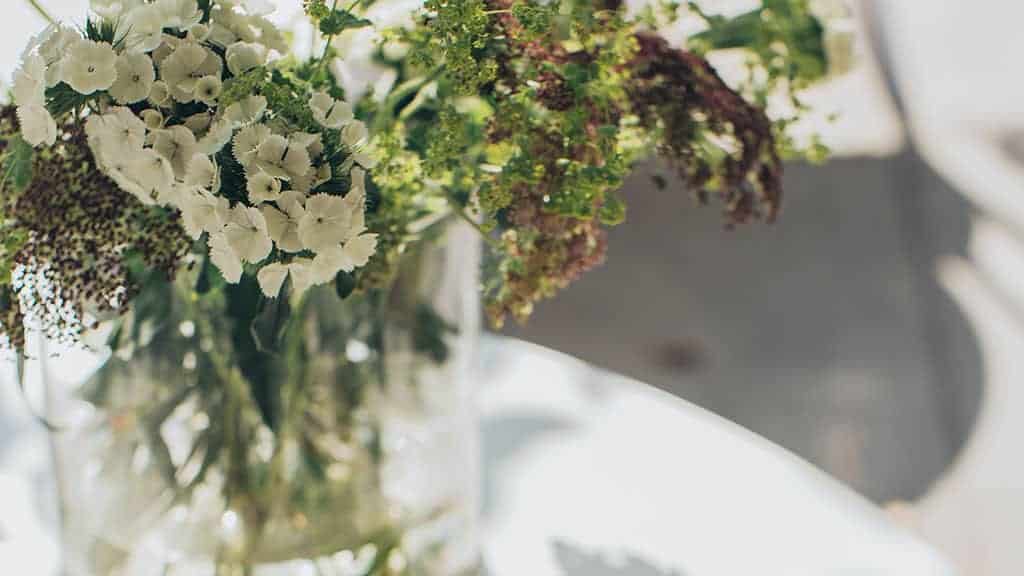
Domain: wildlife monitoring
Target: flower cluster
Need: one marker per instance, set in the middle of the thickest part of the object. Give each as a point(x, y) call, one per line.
point(523, 117)
point(163, 123)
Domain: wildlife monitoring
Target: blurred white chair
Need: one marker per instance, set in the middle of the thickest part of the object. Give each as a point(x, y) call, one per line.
point(956, 66)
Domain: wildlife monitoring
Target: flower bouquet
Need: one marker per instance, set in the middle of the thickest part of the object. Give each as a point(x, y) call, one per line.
point(275, 257)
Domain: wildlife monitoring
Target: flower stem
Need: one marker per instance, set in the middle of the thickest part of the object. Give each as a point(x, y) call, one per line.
point(42, 11)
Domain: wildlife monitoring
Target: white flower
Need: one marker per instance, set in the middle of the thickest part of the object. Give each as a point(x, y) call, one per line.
point(160, 94)
point(208, 90)
point(153, 119)
point(281, 160)
point(248, 142)
point(263, 187)
point(202, 173)
point(272, 276)
point(198, 122)
point(135, 78)
point(117, 135)
point(201, 212)
point(283, 221)
point(360, 249)
point(199, 33)
point(111, 9)
point(313, 143)
point(178, 145)
point(183, 69)
point(55, 44)
point(30, 82)
point(244, 56)
point(330, 113)
point(246, 111)
point(90, 67)
point(142, 27)
point(224, 258)
point(247, 234)
point(37, 125)
point(355, 134)
point(180, 14)
point(354, 254)
point(145, 174)
point(217, 137)
point(329, 221)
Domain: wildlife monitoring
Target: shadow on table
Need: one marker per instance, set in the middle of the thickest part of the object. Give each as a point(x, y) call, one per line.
point(505, 437)
point(576, 562)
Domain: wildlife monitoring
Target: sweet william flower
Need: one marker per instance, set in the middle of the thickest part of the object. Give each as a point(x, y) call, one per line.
point(327, 222)
point(90, 67)
point(355, 134)
point(248, 142)
point(224, 258)
point(263, 187)
point(217, 137)
point(246, 111)
point(208, 89)
point(54, 45)
point(283, 221)
point(353, 254)
point(201, 212)
point(247, 234)
point(184, 68)
point(277, 157)
point(37, 125)
point(177, 144)
point(202, 173)
point(30, 82)
point(244, 56)
point(330, 113)
point(135, 78)
point(272, 276)
point(160, 94)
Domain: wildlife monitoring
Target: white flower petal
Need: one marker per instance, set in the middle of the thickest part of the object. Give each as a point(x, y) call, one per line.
point(247, 234)
point(244, 56)
point(263, 187)
point(90, 67)
point(135, 78)
point(37, 125)
point(360, 249)
point(355, 134)
point(271, 278)
point(30, 82)
point(225, 259)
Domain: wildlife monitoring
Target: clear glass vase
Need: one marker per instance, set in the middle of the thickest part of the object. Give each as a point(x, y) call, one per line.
point(216, 440)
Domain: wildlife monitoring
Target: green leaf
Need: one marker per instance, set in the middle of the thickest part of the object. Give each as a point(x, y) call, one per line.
point(341, 20)
point(344, 284)
point(17, 167)
point(62, 99)
point(613, 212)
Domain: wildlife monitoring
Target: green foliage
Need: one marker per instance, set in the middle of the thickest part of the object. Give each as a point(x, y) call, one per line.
point(103, 30)
point(783, 35)
point(458, 34)
point(17, 164)
point(62, 99)
point(337, 21)
point(536, 19)
point(344, 284)
point(240, 87)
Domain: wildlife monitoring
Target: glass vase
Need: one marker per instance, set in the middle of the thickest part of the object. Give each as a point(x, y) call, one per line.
point(225, 434)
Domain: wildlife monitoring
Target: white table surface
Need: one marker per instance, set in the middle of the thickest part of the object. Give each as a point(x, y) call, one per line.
point(592, 474)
